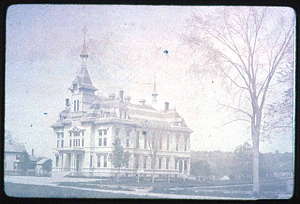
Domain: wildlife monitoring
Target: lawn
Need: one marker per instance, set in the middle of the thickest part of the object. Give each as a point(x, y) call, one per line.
point(220, 189)
point(35, 191)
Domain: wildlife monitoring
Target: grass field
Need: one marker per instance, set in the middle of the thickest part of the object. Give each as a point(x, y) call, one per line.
point(34, 191)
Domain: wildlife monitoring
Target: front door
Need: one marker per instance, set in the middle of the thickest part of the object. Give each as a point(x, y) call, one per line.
point(180, 166)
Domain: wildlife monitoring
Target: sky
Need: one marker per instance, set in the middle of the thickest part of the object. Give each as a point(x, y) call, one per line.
point(126, 47)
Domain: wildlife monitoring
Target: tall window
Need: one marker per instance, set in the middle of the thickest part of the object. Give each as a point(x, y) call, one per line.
point(127, 137)
point(185, 144)
point(160, 142)
point(177, 143)
point(98, 161)
point(185, 165)
point(62, 143)
point(91, 161)
point(56, 161)
point(127, 133)
point(73, 142)
point(137, 145)
point(70, 142)
point(70, 134)
point(57, 135)
point(168, 142)
point(105, 161)
point(77, 105)
point(167, 163)
point(117, 131)
point(176, 163)
point(83, 142)
point(103, 137)
point(145, 139)
point(159, 163)
point(74, 105)
point(57, 143)
point(62, 135)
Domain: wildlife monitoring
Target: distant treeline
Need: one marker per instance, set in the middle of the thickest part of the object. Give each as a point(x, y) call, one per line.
point(238, 164)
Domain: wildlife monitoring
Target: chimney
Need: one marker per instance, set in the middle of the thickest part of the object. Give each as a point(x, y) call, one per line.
point(142, 102)
point(127, 99)
point(166, 107)
point(67, 102)
point(121, 96)
point(32, 151)
point(112, 96)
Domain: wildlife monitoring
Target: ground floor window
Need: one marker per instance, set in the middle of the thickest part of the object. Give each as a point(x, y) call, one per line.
point(105, 161)
point(167, 163)
point(159, 163)
point(91, 161)
point(98, 161)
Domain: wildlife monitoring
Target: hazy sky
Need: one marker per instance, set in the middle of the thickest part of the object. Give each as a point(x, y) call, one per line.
point(126, 47)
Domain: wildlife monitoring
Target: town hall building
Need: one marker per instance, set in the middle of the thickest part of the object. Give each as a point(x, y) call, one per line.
point(88, 125)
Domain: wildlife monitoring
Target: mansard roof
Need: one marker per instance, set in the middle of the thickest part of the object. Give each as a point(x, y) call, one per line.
point(142, 115)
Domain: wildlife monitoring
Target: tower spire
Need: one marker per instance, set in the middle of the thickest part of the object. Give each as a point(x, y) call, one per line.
point(83, 53)
point(154, 93)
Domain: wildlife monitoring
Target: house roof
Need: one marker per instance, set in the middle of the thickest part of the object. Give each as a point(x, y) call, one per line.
point(42, 161)
point(14, 146)
point(144, 115)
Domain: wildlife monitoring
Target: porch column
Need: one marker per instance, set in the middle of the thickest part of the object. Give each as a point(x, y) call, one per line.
point(189, 166)
point(60, 161)
point(72, 161)
point(75, 161)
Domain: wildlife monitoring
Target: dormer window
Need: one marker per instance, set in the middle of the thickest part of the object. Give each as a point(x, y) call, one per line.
point(74, 87)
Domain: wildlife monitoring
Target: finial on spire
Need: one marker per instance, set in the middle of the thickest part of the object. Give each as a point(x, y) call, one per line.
point(84, 54)
point(154, 93)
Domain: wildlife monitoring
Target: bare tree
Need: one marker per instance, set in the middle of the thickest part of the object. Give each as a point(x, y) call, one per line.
point(246, 46)
point(154, 136)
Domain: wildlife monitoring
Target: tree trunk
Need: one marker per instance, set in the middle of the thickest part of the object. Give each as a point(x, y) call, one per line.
point(153, 174)
point(255, 187)
point(255, 155)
